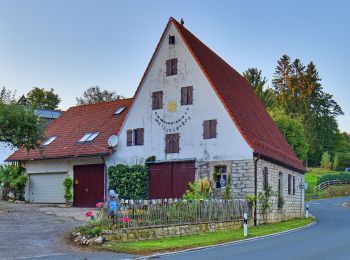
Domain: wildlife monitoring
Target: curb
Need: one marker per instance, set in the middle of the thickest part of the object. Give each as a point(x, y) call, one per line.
point(157, 255)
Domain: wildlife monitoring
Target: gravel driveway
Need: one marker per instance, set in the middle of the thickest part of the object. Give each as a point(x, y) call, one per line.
point(26, 232)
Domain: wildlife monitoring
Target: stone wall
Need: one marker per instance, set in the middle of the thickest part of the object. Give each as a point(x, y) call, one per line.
point(146, 233)
point(242, 178)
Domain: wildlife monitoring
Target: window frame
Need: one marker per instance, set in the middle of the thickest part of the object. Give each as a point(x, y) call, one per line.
point(210, 129)
point(289, 184)
point(171, 67)
point(172, 143)
point(187, 96)
point(88, 137)
point(157, 100)
point(49, 140)
point(265, 178)
point(135, 137)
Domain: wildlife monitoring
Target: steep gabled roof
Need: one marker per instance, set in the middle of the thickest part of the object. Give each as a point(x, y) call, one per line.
point(240, 101)
point(72, 125)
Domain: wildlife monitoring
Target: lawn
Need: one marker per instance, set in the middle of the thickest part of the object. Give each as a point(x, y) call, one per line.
point(311, 177)
point(204, 239)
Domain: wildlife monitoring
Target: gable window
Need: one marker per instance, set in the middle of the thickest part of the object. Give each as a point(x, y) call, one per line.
point(186, 96)
point(265, 178)
point(220, 176)
point(289, 184)
point(49, 140)
point(88, 137)
point(171, 39)
point(209, 129)
point(172, 143)
point(157, 100)
point(119, 110)
point(135, 137)
point(171, 67)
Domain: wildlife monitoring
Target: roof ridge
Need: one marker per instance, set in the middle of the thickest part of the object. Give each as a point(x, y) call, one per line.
point(100, 103)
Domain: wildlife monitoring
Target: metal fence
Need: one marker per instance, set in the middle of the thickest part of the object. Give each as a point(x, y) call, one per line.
point(143, 213)
point(326, 184)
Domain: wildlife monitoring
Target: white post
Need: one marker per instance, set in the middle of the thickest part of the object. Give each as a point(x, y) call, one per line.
point(307, 210)
point(245, 224)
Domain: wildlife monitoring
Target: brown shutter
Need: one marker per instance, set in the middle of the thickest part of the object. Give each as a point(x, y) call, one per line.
point(189, 95)
point(183, 96)
point(141, 136)
point(213, 124)
point(174, 67)
point(206, 129)
point(293, 185)
point(129, 137)
point(176, 143)
point(168, 67)
point(160, 100)
point(167, 143)
point(154, 101)
point(289, 184)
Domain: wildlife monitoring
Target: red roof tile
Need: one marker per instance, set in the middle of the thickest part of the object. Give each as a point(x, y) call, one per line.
point(243, 105)
point(73, 124)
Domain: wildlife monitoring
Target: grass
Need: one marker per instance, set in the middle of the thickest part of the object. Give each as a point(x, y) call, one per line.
point(335, 191)
point(311, 177)
point(204, 239)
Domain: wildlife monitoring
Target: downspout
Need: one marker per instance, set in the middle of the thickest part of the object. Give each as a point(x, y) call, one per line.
point(256, 159)
point(105, 175)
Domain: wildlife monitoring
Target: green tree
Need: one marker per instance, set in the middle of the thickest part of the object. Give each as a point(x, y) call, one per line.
point(43, 99)
point(335, 163)
point(20, 127)
point(95, 95)
point(257, 81)
point(7, 96)
point(326, 161)
point(293, 130)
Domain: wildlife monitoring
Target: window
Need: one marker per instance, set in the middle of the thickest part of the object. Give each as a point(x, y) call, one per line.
point(119, 110)
point(157, 100)
point(289, 184)
point(171, 39)
point(88, 137)
point(171, 67)
point(209, 129)
point(172, 143)
point(265, 178)
point(49, 140)
point(221, 173)
point(134, 137)
point(186, 96)
point(293, 185)
point(280, 184)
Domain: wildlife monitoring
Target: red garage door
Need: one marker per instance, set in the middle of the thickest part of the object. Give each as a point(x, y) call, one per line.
point(170, 180)
point(88, 185)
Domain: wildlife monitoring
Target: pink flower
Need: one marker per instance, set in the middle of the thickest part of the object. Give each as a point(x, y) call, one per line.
point(124, 220)
point(99, 205)
point(88, 214)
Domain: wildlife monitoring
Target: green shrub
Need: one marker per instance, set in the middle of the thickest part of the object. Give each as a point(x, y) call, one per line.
point(200, 189)
point(12, 178)
point(326, 161)
point(345, 176)
point(68, 183)
point(344, 161)
point(130, 182)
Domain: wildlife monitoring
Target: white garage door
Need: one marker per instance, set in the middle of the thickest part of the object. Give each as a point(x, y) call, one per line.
point(46, 188)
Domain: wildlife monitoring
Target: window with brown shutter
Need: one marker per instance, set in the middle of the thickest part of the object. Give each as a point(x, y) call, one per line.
point(138, 136)
point(157, 100)
point(289, 184)
point(209, 129)
point(129, 137)
point(293, 185)
point(171, 67)
point(265, 178)
point(172, 143)
point(187, 96)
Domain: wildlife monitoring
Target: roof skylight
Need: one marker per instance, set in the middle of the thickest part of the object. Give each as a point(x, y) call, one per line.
point(88, 137)
point(119, 110)
point(49, 140)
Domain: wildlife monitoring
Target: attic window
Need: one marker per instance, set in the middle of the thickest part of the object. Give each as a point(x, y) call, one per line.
point(171, 39)
point(49, 140)
point(119, 110)
point(88, 137)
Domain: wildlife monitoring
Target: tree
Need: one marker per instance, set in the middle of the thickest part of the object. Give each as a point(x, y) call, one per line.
point(20, 127)
point(335, 163)
point(7, 96)
point(95, 95)
point(326, 161)
point(293, 130)
point(257, 81)
point(43, 99)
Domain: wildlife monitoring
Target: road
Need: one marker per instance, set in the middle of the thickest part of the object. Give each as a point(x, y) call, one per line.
point(328, 239)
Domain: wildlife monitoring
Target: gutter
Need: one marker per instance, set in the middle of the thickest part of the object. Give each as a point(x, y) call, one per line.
point(256, 159)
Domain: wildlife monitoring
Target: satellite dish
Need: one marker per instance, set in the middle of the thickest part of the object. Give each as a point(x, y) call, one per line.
point(113, 141)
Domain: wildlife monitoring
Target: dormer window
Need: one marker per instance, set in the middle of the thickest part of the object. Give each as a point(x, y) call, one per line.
point(171, 39)
point(49, 140)
point(88, 137)
point(119, 110)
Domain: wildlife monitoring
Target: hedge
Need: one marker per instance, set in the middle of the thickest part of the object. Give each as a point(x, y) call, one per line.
point(344, 176)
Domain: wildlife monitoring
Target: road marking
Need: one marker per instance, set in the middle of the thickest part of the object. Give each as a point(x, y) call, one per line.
point(314, 203)
point(38, 256)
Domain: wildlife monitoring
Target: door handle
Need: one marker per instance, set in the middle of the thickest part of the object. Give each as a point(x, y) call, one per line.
point(86, 189)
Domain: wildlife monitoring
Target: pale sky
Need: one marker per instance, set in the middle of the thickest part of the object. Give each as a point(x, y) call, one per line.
point(72, 45)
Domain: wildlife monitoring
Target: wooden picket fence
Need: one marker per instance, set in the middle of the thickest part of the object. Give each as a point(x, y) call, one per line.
point(165, 212)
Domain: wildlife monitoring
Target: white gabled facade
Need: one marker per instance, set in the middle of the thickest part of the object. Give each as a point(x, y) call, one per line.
point(187, 120)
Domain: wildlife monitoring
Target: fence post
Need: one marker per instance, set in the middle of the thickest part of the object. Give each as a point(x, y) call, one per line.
point(307, 210)
point(245, 224)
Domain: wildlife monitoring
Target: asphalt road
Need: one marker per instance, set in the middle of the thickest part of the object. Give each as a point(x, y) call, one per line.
point(328, 239)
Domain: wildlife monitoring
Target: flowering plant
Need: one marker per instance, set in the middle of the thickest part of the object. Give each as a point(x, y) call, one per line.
point(99, 205)
point(124, 219)
point(89, 214)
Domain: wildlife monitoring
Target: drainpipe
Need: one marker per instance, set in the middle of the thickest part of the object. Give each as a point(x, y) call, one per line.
point(105, 175)
point(256, 159)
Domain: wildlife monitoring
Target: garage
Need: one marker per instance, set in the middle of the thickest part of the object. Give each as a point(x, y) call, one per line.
point(46, 187)
point(170, 179)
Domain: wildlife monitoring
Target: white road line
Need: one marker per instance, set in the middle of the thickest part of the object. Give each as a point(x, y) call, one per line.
point(38, 256)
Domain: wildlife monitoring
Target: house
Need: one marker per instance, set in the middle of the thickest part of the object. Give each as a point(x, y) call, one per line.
point(46, 114)
point(200, 118)
point(77, 145)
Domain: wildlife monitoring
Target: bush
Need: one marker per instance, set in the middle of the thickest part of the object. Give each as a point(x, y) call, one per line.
point(68, 183)
point(326, 161)
point(12, 178)
point(200, 189)
point(344, 176)
point(344, 161)
point(130, 182)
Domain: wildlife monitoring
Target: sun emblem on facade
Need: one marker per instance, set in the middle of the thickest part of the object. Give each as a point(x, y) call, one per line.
point(171, 106)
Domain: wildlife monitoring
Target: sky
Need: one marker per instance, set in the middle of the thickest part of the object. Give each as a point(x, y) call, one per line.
point(72, 45)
